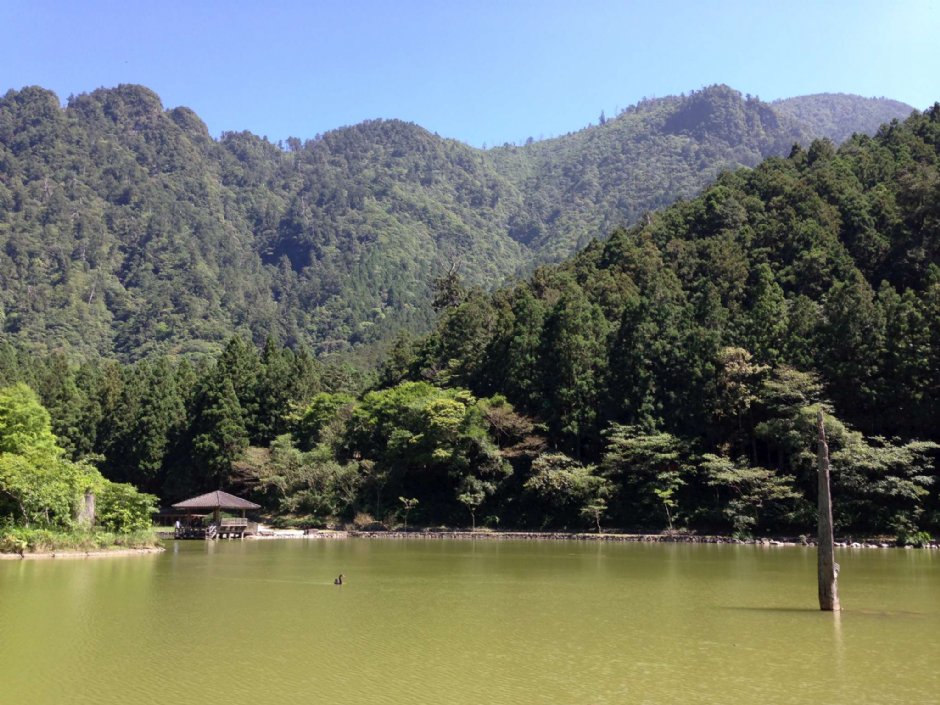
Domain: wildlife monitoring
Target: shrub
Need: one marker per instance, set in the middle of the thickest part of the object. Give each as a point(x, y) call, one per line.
point(12, 543)
point(122, 509)
point(918, 539)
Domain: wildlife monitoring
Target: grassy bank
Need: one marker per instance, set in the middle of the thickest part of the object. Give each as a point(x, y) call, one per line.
point(21, 540)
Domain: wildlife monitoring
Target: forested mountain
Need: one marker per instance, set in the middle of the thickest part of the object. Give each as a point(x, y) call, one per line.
point(125, 229)
point(839, 115)
point(668, 376)
point(691, 351)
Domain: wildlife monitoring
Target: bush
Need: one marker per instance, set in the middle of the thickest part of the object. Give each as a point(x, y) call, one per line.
point(301, 522)
point(363, 521)
point(122, 509)
point(21, 540)
point(918, 539)
point(12, 543)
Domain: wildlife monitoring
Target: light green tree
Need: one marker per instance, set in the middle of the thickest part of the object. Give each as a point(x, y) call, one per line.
point(472, 496)
point(408, 503)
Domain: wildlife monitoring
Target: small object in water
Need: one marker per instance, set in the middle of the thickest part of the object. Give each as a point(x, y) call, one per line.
point(339, 580)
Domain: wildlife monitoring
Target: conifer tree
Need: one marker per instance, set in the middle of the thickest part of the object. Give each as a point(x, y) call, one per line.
point(220, 435)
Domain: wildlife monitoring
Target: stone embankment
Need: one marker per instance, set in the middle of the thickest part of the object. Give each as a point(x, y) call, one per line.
point(677, 537)
point(264, 533)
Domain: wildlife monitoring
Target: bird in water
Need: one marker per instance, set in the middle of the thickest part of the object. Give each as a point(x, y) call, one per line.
point(339, 579)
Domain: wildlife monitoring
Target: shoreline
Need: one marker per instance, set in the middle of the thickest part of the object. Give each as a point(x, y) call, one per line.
point(72, 555)
point(464, 535)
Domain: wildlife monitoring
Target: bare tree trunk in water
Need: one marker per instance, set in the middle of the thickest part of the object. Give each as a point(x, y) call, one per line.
point(828, 571)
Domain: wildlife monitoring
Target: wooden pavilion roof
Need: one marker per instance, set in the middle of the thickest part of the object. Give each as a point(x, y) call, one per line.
point(216, 500)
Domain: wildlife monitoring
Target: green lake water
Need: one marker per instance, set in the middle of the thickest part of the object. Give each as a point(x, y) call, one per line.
point(441, 622)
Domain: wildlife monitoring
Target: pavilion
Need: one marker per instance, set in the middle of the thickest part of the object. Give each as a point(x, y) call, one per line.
point(215, 501)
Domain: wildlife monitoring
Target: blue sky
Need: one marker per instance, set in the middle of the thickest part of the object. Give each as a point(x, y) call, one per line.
point(481, 72)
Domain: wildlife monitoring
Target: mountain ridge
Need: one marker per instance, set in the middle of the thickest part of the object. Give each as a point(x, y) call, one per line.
point(126, 229)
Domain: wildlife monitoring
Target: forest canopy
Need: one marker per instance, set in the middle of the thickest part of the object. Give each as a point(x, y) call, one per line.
point(666, 377)
point(127, 231)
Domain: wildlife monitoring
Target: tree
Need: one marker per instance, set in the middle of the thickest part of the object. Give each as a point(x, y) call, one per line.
point(749, 494)
point(25, 425)
point(853, 339)
point(241, 366)
point(42, 486)
point(738, 381)
point(220, 429)
point(407, 504)
point(766, 321)
point(632, 379)
point(275, 392)
point(425, 441)
point(122, 509)
point(646, 468)
point(666, 497)
point(595, 501)
point(574, 346)
point(313, 484)
point(448, 288)
point(472, 496)
point(148, 420)
point(324, 420)
point(565, 487)
point(520, 361)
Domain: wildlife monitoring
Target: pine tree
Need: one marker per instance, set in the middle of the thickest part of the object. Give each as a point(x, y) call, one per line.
point(220, 435)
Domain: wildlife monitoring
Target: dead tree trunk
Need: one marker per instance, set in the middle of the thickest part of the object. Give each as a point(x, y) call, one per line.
point(86, 511)
point(828, 570)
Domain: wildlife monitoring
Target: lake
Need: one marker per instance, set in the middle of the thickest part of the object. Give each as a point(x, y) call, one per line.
point(455, 622)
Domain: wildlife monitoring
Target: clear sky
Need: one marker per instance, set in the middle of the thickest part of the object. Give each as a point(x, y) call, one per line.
point(481, 72)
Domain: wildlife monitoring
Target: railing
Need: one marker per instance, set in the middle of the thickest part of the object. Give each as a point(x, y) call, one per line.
point(227, 528)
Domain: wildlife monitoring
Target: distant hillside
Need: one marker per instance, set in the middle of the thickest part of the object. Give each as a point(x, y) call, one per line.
point(125, 229)
point(839, 115)
point(582, 185)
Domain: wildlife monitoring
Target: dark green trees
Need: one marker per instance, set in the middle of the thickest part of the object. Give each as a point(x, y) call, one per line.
point(722, 323)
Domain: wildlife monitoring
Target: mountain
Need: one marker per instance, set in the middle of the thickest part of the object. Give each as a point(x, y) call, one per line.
point(125, 229)
point(839, 115)
point(694, 349)
point(826, 261)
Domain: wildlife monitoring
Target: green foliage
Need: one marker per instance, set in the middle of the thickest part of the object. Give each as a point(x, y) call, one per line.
point(423, 441)
point(308, 484)
point(22, 540)
point(324, 420)
point(838, 115)
point(407, 505)
point(754, 494)
point(37, 484)
point(594, 509)
point(120, 508)
point(40, 487)
point(222, 434)
point(25, 425)
point(567, 489)
point(918, 539)
point(705, 339)
point(126, 230)
point(673, 369)
point(473, 493)
point(647, 468)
